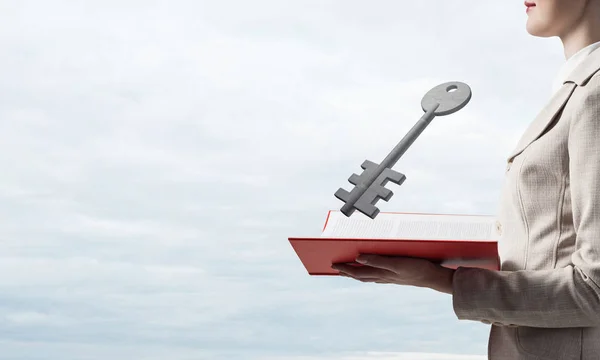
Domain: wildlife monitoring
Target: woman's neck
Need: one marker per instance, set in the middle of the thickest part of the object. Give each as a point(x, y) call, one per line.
point(572, 44)
point(585, 33)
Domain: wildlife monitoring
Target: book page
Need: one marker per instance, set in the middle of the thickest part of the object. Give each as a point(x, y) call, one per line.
point(411, 226)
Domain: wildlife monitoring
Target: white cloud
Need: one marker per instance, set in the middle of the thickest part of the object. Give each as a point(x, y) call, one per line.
point(67, 351)
point(155, 158)
point(387, 356)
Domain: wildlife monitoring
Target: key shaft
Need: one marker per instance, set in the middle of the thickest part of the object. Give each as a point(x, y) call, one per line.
point(369, 187)
point(391, 159)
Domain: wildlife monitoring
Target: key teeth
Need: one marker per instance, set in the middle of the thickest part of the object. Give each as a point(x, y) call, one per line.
point(367, 164)
point(374, 213)
point(393, 176)
point(342, 194)
point(354, 179)
point(366, 203)
point(368, 210)
point(385, 194)
point(347, 211)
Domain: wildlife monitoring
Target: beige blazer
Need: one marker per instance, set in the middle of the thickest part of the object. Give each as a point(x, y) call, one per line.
point(545, 301)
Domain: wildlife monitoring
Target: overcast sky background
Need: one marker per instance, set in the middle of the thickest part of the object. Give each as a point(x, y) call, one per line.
point(156, 156)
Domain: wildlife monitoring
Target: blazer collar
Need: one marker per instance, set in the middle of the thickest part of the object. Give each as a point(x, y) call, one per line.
point(578, 77)
point(588, 67)
point(543, 119)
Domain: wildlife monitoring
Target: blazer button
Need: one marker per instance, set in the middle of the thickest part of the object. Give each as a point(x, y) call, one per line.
point(498, 227)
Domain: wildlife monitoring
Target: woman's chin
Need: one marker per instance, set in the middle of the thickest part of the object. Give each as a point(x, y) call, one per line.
point(535, 29)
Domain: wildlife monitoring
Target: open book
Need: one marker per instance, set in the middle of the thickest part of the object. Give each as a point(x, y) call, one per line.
point(451, 240)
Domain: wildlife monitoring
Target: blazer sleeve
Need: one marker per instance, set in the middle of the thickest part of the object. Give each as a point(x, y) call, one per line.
point(554, 298)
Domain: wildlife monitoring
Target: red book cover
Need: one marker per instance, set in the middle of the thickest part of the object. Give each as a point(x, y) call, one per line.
point(451, 240)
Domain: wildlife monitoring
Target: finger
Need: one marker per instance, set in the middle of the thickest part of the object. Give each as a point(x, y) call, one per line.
point(393, 264)
point(365, 280)
point(362, 271)
point(373, 280)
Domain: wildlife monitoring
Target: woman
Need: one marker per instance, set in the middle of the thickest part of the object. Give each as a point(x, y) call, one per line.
point(544, 303)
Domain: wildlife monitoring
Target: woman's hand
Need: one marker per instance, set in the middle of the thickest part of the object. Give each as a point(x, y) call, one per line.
point(399, 270)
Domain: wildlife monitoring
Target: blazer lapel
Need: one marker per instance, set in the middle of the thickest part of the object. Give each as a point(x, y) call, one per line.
point(544, 118)
point(582, 73)
point(579, 77)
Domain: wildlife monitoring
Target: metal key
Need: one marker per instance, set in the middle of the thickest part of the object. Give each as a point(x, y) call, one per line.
point(369, 187)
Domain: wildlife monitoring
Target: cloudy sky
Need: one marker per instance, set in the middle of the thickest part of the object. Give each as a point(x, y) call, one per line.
point(156, 156)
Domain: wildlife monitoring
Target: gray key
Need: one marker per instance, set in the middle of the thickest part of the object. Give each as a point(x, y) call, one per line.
point(369, 187)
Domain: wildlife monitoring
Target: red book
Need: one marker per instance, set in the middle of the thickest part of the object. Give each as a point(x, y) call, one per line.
point(451, 240)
